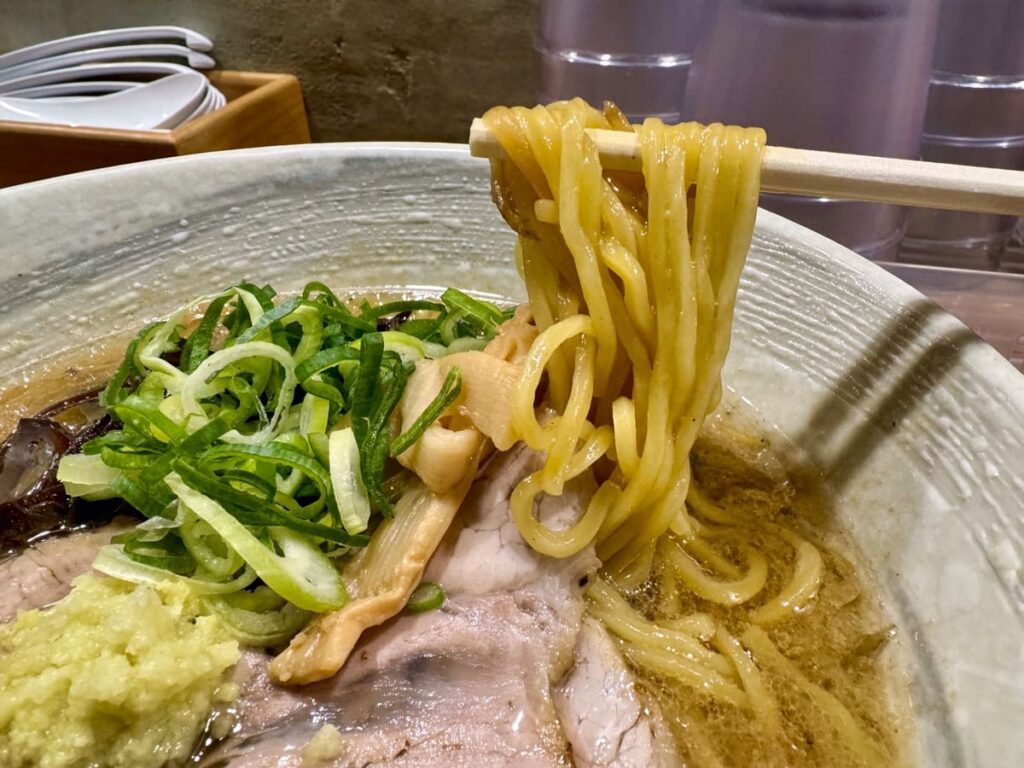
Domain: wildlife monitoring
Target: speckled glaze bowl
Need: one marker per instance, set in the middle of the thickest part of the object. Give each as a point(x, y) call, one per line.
point(918, 425)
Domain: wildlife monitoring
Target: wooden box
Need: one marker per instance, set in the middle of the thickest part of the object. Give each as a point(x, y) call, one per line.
point(261, 110)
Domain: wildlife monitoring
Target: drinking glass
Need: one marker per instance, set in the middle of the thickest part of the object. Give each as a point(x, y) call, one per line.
point(633, 52)
point(976, 117)
point(838, 75)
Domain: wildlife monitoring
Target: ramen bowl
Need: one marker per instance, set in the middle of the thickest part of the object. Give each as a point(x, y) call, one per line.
point(917, 425)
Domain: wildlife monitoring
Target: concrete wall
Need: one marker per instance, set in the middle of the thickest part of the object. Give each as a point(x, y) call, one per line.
point(370, 69)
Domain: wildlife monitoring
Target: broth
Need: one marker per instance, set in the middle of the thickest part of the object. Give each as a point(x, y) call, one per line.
point(843, 643)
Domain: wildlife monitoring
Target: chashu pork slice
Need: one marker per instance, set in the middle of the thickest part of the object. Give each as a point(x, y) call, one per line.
point(604, 717)
point(42, 574)
point(469, 684)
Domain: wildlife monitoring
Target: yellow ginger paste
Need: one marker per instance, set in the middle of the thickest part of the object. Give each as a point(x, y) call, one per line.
point(115, 674)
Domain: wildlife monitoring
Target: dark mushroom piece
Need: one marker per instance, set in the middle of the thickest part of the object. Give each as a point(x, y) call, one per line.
point(33, 503)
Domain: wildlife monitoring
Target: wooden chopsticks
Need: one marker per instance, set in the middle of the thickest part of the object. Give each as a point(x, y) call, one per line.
point(835, 175)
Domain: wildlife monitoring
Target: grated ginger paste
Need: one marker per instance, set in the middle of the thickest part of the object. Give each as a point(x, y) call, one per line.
point(115, 674)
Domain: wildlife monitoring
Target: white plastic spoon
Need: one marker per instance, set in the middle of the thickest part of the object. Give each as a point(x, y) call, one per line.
point(203, 108)
point(114, 53)
point(191, 38)
point(71, 74)
point(84, 88)
point(214, 101)
point(160, 104)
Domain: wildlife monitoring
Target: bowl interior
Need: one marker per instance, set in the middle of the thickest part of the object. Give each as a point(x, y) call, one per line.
point(917, 424)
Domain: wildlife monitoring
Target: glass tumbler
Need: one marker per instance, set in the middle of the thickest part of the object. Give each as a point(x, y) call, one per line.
point(975, 117)
point(633, 52)
point(835, 75)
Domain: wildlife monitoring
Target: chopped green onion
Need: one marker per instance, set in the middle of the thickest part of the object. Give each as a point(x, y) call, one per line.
point(275, 453)
point(314, 415)
point(374, 445)
point(197, 346)
point(208, 549)
point(450, 390)
point(483, 312)
point(324, 359)
point(158, 549)
point(148, 420)
point(87, 476)
point(421, 328)
point(135, 494)
point(197, 441)
point(301, 574)
point(113, 561)
point(408, 348)
point(318, 443)
point(428, 596)
point(396, 307)
point(255, 622)
point(156, 342)
point(448, 330)
point(257, 300)
point(367, 384)
point(114, 391)
point(250, 510)
point(354, 325)
point(346, 476)
point(327, 296)
point(310, 337)
point(268, 318)
point(126, 459)
point(197, 385)
point(257, 442)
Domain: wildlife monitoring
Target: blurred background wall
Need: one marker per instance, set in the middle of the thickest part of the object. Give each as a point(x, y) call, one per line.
point(370, 69)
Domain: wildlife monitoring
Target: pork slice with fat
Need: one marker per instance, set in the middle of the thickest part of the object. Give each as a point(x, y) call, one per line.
point(43, 572)
point(466, 685)
point(603, 715)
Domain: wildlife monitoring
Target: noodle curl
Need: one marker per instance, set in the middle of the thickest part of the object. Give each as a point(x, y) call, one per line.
point(634, 318)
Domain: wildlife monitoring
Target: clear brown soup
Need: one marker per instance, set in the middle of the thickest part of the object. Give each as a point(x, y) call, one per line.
point(843, 643)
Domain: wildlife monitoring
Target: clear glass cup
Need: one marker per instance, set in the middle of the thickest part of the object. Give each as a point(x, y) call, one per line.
point(975, 116)
point(633, 52)
point(838, 75)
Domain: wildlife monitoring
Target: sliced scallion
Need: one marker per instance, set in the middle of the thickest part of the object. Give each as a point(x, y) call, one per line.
point(300, 574)
point(449, 393)
point(482, 312)
point(112, 561)
point(428, 596)
point(257, 441)
point(346, 476)
point(258, 622)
